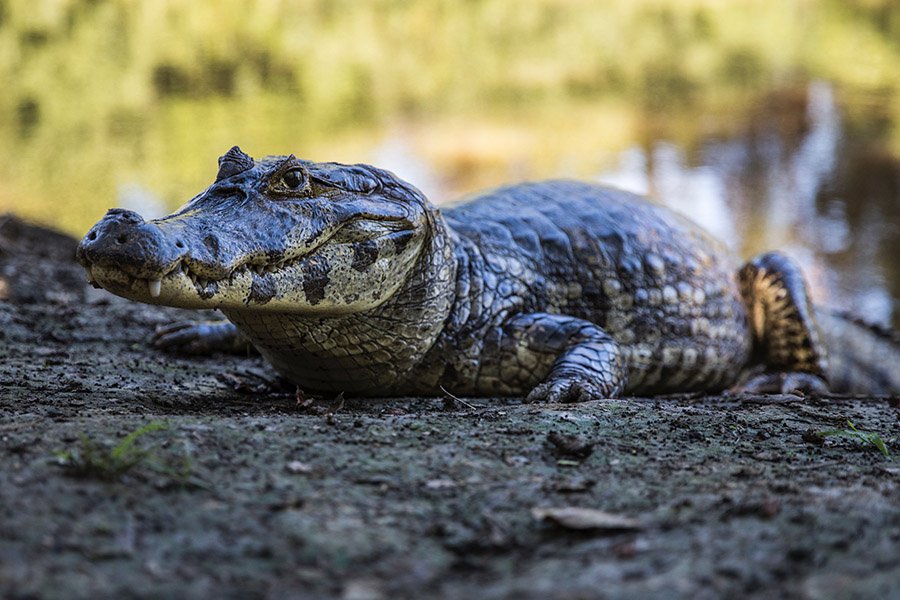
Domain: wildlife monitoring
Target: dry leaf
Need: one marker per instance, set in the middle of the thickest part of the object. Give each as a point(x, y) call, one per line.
point(298, 468)
point(573, 517)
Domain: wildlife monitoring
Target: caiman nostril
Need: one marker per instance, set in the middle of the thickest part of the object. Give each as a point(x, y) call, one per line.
point(179, 244)
point(92, 236)
point(122, 239)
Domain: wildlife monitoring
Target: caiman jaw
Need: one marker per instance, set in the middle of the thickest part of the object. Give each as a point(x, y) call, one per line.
point(154, 286)
point(295, 284)
point(117, 281)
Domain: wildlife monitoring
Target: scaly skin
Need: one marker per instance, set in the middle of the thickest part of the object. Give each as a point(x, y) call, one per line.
point(347, 279)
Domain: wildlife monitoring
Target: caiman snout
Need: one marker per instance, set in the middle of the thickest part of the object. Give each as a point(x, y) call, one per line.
point(122, 240)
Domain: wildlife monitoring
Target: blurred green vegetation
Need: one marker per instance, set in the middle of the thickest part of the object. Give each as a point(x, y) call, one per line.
point(99, 93)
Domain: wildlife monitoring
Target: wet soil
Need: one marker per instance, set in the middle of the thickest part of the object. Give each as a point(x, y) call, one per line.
point(242, 488)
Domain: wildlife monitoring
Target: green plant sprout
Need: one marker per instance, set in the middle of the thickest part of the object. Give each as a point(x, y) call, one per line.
point(92, 460)
point(867, 437)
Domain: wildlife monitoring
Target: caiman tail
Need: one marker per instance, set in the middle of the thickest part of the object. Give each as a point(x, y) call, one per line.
point(863, 358)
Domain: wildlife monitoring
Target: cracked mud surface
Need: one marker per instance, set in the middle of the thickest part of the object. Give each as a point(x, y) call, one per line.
point(248, 492)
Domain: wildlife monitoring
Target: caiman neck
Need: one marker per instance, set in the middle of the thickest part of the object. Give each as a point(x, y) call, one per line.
point(368, 352)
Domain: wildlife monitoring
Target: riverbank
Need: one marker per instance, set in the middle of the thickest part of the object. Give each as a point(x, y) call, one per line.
point(130, 473)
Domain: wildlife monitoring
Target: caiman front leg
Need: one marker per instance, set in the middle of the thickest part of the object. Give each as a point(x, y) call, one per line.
point(786, 336)
point(554, 357)
point(201, 337)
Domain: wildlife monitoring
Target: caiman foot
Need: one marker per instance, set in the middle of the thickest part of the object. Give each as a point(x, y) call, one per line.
point(789, 382)
point(580, 361)
point(568, 389)
point(201, 338)
point(786, 335)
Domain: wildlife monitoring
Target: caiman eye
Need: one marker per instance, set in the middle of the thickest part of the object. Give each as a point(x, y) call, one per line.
point(293, 179)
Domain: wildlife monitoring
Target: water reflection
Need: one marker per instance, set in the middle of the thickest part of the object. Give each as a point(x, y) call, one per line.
point(770, 189)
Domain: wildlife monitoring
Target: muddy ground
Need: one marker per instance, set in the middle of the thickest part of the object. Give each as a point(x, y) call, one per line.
point(236, 489)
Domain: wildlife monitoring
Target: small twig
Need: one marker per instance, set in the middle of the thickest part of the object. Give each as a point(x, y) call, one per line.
point(460, 400)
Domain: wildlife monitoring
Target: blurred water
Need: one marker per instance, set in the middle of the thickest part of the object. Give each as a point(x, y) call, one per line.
point(793, 199)
point(774, 125)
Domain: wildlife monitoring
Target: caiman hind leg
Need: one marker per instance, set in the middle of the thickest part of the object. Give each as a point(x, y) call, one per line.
point(201, 337)
point(787, 339)
point(565, 358)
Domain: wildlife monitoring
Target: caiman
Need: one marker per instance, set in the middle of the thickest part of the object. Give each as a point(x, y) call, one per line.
point(347, 279)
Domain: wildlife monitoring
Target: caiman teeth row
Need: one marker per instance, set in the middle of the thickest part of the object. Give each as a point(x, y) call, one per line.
point(154, 286)
point(259, 269)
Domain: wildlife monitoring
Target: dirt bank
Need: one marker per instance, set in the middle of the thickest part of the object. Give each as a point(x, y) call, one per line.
point(236, 489)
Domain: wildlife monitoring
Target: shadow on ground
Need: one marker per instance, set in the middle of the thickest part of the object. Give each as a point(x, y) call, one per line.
point(239, 489)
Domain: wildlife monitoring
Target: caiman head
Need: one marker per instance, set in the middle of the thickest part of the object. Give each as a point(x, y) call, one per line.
point(279, 234)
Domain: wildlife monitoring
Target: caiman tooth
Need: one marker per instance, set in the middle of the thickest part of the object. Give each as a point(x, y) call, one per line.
point(154, 285)
point(271, 268)
point(89, 275)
